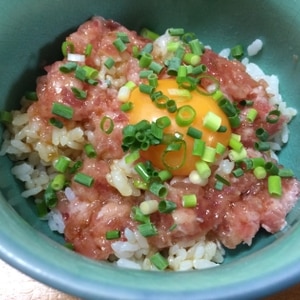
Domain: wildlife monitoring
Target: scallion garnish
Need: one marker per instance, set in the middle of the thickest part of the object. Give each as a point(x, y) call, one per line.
point(191, 59)
point(6, 117)
point(109, 63)
point(67, 47)
point(138, 216)
point(159, 261)
point(238, 172)
point(90, 150)
point(196, 46)
point(58, 182)
point(222, 179)
point(271, 168)
point(185, 115)
point(262, 146)
point(274, 185)
point(158, 189)
point(251, 114)
point(107, 125)
point(284, 172)
point(209, 154)
point(56, 123)
point(147, 229)
point(112, 234)
point(88, 50)
point(189, 200)
point(212, 121)
point(237, 51)
point(62, 110)
point(84, 179)
point(127, 106)
point(260, 172)
point(31, 95)
point(119, 44)
point(148, 34)
point(176, 31)
point(262, 134)
point(145, 60)
point(79, 93)
point(273, 116)
point(166, 206)
point(50, 197)
point(62, 164)
point(203, 169)
point(198, 147)
point(68, 67)
point(194, 132)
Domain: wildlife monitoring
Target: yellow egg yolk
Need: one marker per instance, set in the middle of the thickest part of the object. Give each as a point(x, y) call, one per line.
point(145, 109)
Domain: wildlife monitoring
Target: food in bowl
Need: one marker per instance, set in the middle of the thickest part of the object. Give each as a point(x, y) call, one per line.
point(153, 152)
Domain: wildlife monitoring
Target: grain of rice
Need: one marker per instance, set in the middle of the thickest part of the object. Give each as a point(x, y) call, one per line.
point(254, 47)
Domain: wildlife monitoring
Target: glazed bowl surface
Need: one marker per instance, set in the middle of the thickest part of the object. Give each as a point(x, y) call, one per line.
point(31, 35)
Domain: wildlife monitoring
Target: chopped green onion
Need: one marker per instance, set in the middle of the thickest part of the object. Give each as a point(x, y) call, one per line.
point(238, 172)
point(209, 154)
point(235, 144)
point(184, 93)
point(234, 121)
point(148, 34)
point(284, 172)
point(31, 95)
point(84, 179)
point(176, 145)
point(67, 47)
point(219, 185)
point(271, 168)
point(132, 157)
point(107, 125)
point(251, 115)
point(188, 36)
point(145, 60)
point(141, 169)
point(220, 148)
point(273, 116)
point(112, 234)
point(158, 189)
point(42, 209)
point(194, 132)
point(274, 185)
point(237, 51)
point(62, 110)
point(203, 169)
point(176, 31)
point(146, 89)
point(222, 179)
point(76, 166)
point(199, 70)
point(166, 206)
point(147, 229)
point(212, 121)
point(262, 134)
point(185, 115)
point(262, 146)
point(56, 123)
point(196, 47)
point(189, 200)
point(258, 161)
point(78, 93)
point(109, 63)
point(119, 44)
point(62, 164)
point(237, 156)
point(58, 182)
point(5, 117)
point(145, 73)
point(153, 80)
point(171, 106)
point(90, 150)
point(248, 164)
point(164, 175)
point(159, 261)
point(163, 122)
point(50, 197)
point(88, 50)
point(172, 46)
point(198, 147)
point(138, 216)
point(173, 227)
point(156, 67)
point(127, 106)
point(191, 59)
point(147, 49)
point(68, 67)
point(123, 36)
point(260, 172)
point(246, 102)
point(173, 65)
point(148, 207)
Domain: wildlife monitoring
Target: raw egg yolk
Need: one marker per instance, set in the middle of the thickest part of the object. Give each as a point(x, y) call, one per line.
point(145, 109)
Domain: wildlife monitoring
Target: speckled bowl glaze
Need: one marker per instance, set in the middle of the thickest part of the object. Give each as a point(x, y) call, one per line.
point(31, 32)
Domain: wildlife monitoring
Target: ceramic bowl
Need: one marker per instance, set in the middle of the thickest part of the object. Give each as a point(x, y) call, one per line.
point(31, 33)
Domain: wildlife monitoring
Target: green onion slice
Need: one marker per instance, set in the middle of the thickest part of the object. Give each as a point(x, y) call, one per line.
point(84, 179)
point(107, 125)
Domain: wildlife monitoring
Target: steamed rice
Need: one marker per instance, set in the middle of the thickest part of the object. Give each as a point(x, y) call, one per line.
point(34, 167)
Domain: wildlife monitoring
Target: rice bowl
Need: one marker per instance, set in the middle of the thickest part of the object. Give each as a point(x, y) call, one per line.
point(128, 232)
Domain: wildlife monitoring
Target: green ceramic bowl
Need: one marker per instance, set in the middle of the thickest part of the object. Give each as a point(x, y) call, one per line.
point(30, 35)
